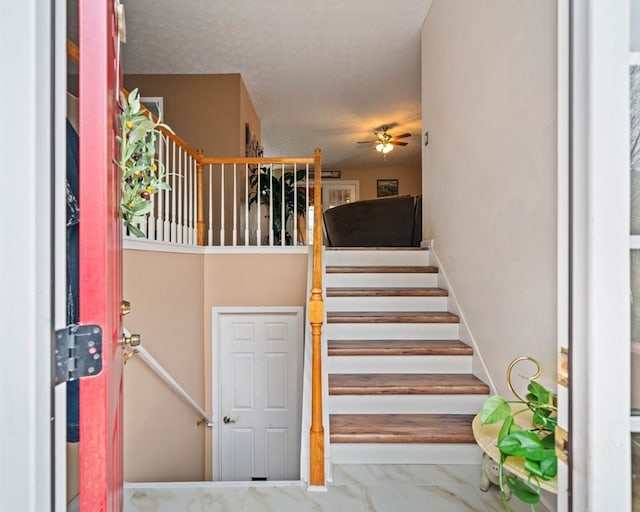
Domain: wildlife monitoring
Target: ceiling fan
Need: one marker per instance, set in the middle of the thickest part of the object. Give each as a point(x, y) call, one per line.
point(385, 142)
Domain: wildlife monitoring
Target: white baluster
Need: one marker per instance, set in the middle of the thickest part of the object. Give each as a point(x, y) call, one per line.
point(258, 208)
point(246, 204)
point(308, 227)
point(166, 235)
point(222, 220)
point(235, 207)
point(283, 200)
point(190, 226)
point(194, 203)
point(295, 205)
point(271, 234)
point(210, 230)
point(159, 202)
point(174, 195)
point(180, 188)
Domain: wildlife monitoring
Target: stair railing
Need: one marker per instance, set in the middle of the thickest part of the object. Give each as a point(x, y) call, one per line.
point(160, 371)
point(316, 318)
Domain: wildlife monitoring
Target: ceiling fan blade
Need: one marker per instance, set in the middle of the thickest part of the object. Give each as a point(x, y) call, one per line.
point(367, 142)
point(403, 136)
point(397, 143)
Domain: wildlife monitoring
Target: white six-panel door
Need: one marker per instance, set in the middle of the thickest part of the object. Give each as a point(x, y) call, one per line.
point(257, 381)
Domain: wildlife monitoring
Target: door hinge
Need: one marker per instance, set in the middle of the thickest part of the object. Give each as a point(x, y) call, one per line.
point(78, 352)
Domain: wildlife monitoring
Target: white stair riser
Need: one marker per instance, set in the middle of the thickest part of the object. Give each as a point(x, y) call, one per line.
point(405, 453)
point(377, 258)
point(405, 404)
point(391, 331)
point(399, 364)
point(386, 304)
point(408, 280)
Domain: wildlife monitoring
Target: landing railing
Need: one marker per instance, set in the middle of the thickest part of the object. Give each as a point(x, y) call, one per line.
point(230, 202)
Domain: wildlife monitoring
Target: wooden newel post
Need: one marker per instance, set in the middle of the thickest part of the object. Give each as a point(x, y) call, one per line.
point(316, 317)
point(200, 222)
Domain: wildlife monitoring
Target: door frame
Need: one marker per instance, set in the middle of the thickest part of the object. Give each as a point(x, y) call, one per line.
point(30, 226)
point(593, 236)
point(216, 313)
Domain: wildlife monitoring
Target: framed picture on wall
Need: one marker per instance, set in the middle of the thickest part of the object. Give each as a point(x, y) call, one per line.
point(387, 188)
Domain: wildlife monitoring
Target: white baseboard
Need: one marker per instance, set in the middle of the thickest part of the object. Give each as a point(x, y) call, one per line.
point(479, 367)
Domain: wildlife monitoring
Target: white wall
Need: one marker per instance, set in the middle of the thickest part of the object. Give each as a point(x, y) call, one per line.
point(489, 171)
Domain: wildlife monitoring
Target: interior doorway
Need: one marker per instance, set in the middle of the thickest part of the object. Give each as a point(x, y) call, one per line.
point(257, 383)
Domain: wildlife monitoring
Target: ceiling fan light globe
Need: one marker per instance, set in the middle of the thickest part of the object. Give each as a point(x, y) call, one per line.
point(387, 147)
point(380, 147)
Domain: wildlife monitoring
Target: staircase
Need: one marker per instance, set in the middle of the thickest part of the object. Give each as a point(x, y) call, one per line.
point(401, 389)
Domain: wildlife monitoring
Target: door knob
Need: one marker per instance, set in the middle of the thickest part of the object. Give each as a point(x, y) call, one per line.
point(226, 419)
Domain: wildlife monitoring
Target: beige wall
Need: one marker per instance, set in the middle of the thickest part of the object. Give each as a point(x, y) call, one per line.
point(207, 111)
point(409, 178)
point(489, 177)
point(171, 298)
point(162, 439)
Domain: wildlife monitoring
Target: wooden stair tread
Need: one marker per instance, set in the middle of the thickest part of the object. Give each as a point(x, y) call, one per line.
point(411, 269)
point(401, 428)
point(375, 317)
point(387, 292)
point(406, 384)
point(398, 347)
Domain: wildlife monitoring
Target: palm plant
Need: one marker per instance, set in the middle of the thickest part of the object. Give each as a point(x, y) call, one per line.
point(277, 188)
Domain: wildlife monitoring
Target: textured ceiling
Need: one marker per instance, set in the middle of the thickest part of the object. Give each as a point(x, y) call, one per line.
point(320, 73)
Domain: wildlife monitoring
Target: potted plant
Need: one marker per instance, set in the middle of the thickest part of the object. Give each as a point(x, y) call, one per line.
point(141, 174)
point(536, 444)
point(270, 188)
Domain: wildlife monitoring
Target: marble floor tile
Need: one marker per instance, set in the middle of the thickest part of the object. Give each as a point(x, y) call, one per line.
point(356, 488)
point(371, 474)
point(288, 499)
point(434, 474)
point(185, 499)
point(425, 498)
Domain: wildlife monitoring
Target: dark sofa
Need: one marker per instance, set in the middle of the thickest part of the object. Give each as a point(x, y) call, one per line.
point(394, 221)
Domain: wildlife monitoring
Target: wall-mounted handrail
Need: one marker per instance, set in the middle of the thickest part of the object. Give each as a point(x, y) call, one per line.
point(316, 318)
point(159, 370)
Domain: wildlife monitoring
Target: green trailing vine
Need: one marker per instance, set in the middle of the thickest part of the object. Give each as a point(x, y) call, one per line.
point(535, 445)
point(141, 174)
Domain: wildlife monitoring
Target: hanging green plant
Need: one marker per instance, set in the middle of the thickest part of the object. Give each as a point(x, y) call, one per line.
point(536, 445)
point(141, 174)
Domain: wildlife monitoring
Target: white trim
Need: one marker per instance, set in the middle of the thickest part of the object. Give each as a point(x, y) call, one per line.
point(60, 470)
point(479, 366)
point(562, 223)
point(130, 486)
point(634, 59)
point(153, 246)
point(216, 313)
point(26, 313)
point(600, 371)
point(634, 242)
point(158, 101)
